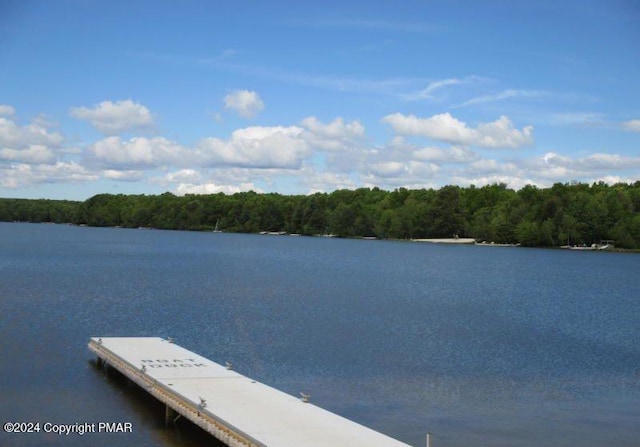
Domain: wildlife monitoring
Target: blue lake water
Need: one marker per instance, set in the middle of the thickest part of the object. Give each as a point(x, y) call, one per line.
point(481, 346)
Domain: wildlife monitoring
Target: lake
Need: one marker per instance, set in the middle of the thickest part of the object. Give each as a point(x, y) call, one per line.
point(480, 346)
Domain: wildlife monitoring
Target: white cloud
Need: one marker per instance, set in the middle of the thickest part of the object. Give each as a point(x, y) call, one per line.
point(410, 171)
point(409, 174)
point(35, 153)
point(513, 182)
point(257, 147)
point(420, 170)
point(444, 127)
point(115, 117)
point(65, 171)
point(389, 169)
point(212, 188)
point(13, 136)
point(309, 156)
point(182, 176)
point(6, 110)
point(455, 154)
point(551, 167)
point(633, 125)
point(487, 166)
point(23, 175)
point(613, 179)
point(600, 161)
point(44, 121)
point(123, 176)
point(553, 159)
point(328, 181)
point(246, 103)
point(592, 164)
point(335, 129)
point(138, 152)
point(333, 136)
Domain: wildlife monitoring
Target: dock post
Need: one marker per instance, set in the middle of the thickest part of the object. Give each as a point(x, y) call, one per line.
point(428, 439)
point(168, 414)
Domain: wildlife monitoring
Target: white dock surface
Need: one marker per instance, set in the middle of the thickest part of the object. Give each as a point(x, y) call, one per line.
point(252, 410)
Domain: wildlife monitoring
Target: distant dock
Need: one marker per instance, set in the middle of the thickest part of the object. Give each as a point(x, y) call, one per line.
point(235, 409)
point(453, 240)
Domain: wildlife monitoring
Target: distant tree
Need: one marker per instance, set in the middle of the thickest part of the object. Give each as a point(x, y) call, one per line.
point(447, 215)
point(573, 213)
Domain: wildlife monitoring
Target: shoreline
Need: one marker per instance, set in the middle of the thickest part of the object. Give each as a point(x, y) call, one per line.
point(453, 240)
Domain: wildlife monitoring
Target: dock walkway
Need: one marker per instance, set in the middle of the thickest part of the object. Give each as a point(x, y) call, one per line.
point(237, 410)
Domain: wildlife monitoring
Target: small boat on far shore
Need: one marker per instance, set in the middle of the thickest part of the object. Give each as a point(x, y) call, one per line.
point(494, 244)
point(453, 240)
point(604, 245)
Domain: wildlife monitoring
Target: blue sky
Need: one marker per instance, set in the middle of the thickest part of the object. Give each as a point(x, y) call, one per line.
point(191, 96)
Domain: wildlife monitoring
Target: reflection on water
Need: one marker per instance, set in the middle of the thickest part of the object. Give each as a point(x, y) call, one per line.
point(480, 346)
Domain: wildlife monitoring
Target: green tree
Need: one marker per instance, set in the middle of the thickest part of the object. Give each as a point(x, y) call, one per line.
point(446, 215)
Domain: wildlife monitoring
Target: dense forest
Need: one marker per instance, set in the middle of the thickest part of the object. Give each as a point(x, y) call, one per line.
point(563, 214)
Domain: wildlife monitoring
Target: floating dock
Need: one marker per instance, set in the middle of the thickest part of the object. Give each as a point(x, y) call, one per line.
point(235, 409)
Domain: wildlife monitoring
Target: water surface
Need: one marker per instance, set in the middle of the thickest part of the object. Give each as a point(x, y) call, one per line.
point(481, 346)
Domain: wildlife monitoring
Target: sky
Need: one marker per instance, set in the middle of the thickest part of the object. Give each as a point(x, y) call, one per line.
point(296, 97)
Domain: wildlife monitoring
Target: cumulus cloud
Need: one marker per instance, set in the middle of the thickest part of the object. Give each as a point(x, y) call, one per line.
point(334, 136)
point(489, 166)
point(613, 179)
point(328, 181)
point(112, 118)
point(137, 152)
point(489, 171)
point(455, 154)
point(514, 182)
point(599, 161)
point(392, 174)
point(389, 169)
point(13, 136)
point(22, 174)
point(6, 110)
point(257, 147)
point(35, 153)
point(553, 159)
point(212, 188)
point(335, 129)
point(402, 164)
point(590, 164)
point(444, 127)
point(312, 155)
point(182, 176)
point(245, 103)
point(64, 171)
point(633, 125)
point(123, 176)
point(553, 167)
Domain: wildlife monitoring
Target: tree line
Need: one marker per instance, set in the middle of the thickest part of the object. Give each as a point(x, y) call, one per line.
point(573, 213)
